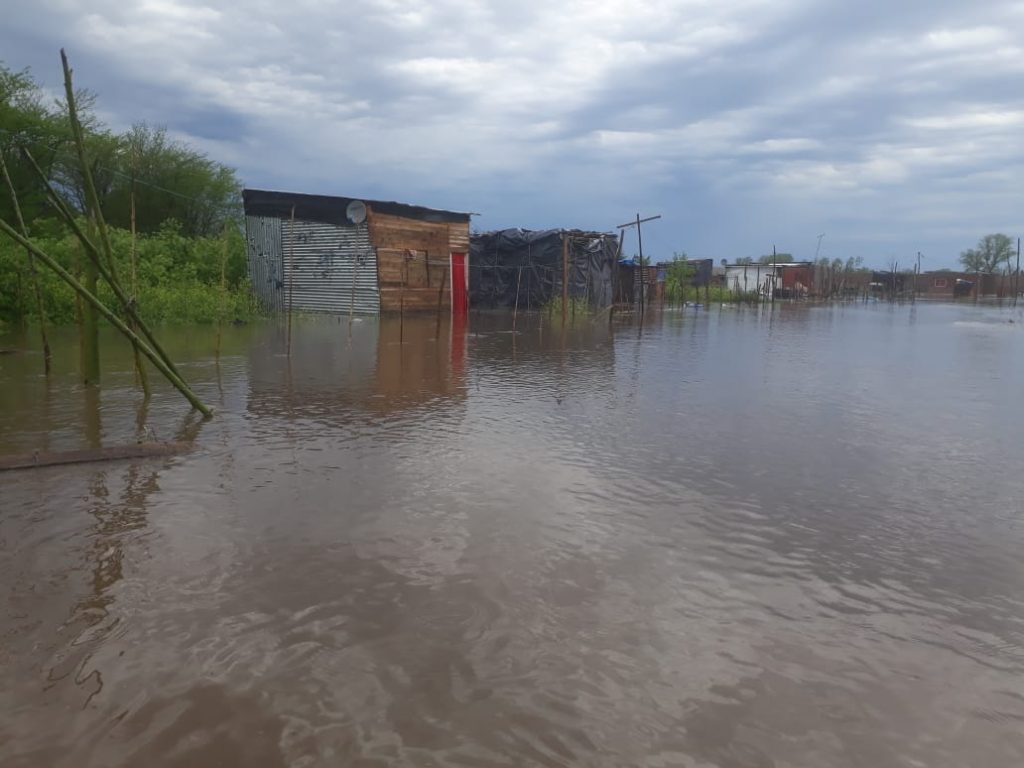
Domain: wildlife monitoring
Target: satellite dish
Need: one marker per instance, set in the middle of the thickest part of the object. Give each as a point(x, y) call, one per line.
point(356, 212)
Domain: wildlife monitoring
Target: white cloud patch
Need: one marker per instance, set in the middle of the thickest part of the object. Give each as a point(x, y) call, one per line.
point(799, 115)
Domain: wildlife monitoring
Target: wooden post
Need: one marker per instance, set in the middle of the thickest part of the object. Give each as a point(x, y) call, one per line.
point(401, 306)
point(440, 301)
point(643, 285)
point(615, 278)
point(90, 328)
point(1016, 277)
point(40, 309)
point(515, 310)
point(565, 276)
point(291, 279)
point(223, 285)
point(140, 369)
point(352, 297)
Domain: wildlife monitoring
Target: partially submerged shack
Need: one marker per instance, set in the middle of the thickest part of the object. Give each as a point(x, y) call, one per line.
point(532, 268)
point(323, 253)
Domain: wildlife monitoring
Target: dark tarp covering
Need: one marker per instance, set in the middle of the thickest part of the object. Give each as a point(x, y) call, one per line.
point(702, 275)
point(495, 259)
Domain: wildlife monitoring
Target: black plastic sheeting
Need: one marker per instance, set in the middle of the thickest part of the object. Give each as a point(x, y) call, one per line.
point(497, 259)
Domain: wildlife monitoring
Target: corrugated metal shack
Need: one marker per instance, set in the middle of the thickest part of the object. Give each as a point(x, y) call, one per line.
point(306, 250)
point(534, 263)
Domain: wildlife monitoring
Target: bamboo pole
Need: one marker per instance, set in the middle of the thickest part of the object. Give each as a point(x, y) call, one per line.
point(89, 327)
point(112, 318)
point(47, 356)
point(96, 215)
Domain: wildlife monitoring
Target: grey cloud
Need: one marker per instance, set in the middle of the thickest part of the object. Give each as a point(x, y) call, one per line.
point(891, 126)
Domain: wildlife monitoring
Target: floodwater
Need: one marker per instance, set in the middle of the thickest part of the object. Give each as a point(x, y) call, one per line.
point(740, 538)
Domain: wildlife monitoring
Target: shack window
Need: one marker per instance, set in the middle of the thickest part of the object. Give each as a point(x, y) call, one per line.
point(940, 282)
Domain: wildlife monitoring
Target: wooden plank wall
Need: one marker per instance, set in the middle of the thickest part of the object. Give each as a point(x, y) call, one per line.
point(412, 260)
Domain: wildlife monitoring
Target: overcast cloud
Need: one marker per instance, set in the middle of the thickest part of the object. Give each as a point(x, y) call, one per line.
point(890, 126)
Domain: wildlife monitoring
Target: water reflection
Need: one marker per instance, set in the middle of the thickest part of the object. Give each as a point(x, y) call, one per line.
point(742, 537)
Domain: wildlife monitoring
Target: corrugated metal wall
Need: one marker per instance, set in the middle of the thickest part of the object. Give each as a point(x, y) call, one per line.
point(321, 261)
point(263, 250)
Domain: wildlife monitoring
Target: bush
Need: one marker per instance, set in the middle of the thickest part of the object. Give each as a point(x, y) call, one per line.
point(178, 277)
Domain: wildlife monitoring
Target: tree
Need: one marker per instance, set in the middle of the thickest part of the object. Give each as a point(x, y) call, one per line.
point(745, 260)
point(170, 180)
point(27, 120)
point(678, 276)
point(776, 258)
point(991, 253)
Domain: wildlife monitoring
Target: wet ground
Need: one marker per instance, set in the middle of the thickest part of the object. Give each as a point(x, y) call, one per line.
point(738, 538)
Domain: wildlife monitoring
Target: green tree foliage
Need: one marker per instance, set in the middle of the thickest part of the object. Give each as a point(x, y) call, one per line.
point(745, 260)
point(990, 255)
point(678, 276)
point(27, 119)
point(777, 258)
point(170, 181)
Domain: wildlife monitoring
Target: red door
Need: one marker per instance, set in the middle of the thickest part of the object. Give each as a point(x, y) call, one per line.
point(460, 286)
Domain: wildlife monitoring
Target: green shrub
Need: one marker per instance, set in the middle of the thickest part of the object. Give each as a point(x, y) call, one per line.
point(178, 278)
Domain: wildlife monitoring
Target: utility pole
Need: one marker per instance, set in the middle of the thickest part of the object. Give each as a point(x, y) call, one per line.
point(816, 252)
point(916, 273)
point(640, 242)
point(1016, 277)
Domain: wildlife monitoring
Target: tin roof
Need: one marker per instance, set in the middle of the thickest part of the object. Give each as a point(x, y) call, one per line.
point(330, 209)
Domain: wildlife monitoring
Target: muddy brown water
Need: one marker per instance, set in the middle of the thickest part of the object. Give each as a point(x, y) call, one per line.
point(737, 539)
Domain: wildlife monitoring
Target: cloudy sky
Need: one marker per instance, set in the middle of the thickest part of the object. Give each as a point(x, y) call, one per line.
point(891, 127)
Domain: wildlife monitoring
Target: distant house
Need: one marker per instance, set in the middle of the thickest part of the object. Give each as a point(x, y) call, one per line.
point(953, 284)
point(752, 278)
point(322, 253)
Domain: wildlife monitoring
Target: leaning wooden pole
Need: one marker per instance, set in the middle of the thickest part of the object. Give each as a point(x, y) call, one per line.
point(96, 215)
point(113, 319)
point(40, 309)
